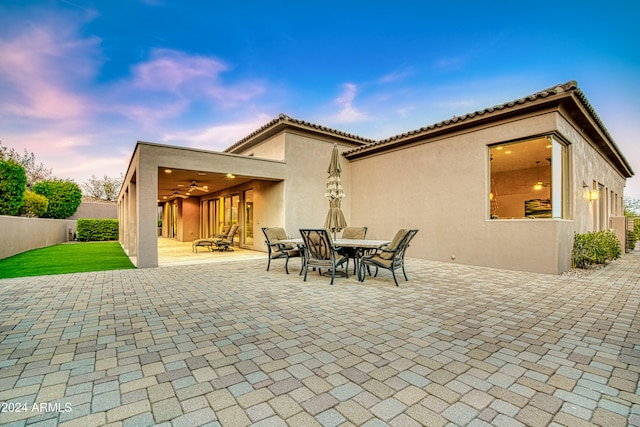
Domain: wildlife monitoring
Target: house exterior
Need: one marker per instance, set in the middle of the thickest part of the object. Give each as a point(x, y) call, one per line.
point(505, 187)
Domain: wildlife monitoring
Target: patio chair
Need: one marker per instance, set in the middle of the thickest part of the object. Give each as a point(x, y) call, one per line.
point(225, 243)
point(391, 256)
point(209, 242)
point(353, 233)
point(320, 252)
point(277, 250)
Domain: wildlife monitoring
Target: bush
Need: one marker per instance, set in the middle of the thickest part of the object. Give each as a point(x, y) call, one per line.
point(596, 247)
point(64, 197)
point(34, 206)
point(632, 238)
point(97, 229)
point(13, 183)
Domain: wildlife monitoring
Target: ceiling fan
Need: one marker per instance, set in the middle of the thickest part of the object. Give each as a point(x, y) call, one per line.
point(176, 194)
point(194, 186)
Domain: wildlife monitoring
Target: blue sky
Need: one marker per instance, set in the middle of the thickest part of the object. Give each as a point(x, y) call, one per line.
point(82, 80)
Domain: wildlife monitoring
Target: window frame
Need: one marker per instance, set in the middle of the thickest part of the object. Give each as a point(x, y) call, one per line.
point(559, 176)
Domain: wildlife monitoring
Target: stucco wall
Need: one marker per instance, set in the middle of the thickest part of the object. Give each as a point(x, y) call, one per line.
point(589, 166)
point(21, 234)
point(272, 148)
point(307, 160)
point(441, 187)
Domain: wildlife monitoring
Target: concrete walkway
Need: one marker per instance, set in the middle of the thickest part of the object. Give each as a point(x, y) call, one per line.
point(231, 344)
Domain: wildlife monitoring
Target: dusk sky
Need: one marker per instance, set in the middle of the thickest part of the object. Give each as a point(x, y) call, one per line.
point(81, 81)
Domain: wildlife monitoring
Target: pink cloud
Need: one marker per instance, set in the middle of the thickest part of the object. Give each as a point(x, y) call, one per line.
point(192, 77)
point(39, 67)
point(217, 137)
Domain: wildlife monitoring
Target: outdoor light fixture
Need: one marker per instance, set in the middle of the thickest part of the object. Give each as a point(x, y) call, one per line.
point(594, 195)
point(230, 175)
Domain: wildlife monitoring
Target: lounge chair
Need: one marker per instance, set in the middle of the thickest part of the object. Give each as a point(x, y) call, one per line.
point(320, 252)
point(275, 249)
point(225, 243)
point(391, 256)
point(353, 233)
point(209, 242)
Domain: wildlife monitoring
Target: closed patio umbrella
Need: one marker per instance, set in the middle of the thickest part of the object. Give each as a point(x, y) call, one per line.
point(335, 220)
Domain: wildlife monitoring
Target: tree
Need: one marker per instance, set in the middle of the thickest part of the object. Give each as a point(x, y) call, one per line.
point(34, 206)
point(631, 206)
point(106, 188)
point(64, 197)
point(13, 183)
point(35, 172)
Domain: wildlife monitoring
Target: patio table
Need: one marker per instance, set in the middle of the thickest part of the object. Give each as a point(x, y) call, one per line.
point(360, 245)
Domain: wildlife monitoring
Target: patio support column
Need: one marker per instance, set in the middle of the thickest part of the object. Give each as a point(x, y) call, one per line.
point(147, 214)
point(132, 219)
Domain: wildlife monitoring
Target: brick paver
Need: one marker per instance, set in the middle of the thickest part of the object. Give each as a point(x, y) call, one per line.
point(233, 345)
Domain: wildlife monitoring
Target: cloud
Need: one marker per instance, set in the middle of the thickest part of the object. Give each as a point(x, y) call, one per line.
point(190, 76)
point(219, 137)
point(395, 76)
point(348, 112)
point(40, 67)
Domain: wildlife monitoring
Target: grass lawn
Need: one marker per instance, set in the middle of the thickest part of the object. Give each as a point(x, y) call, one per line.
point(66, 258)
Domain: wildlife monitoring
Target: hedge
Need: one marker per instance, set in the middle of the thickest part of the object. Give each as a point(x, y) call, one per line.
point(97, 229)
point(596, 247)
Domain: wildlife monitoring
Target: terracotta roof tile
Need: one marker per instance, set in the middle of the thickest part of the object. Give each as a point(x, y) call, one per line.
point(284, 119)
point(572, 85)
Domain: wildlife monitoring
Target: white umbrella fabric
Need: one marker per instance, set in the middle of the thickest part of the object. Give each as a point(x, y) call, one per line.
point(335, 220)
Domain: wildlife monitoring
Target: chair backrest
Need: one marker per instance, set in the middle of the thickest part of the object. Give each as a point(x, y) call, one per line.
point(318, 243)
point(225, 230)
point(354, 233)
point(393, 246)
point(274, 234)
point(232, 231)
point(404, 244)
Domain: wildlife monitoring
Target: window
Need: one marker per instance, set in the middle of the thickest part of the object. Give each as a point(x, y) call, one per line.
point(528, 179)
point(248, 217)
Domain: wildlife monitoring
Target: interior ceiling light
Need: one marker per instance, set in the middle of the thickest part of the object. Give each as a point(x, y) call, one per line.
point(230, 175)
point(538, 185)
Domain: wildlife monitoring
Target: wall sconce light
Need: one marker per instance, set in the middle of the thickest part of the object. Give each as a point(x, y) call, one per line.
point(593, 195)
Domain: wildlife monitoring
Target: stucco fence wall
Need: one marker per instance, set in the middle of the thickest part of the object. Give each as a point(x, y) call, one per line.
point(20, 234)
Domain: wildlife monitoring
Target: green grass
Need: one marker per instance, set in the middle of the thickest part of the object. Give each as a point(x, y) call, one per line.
point(66, 258)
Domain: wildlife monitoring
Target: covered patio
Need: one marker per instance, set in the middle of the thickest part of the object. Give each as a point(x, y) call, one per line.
point(172, 252)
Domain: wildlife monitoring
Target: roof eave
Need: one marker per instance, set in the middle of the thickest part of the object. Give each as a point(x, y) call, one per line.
point(284, 122)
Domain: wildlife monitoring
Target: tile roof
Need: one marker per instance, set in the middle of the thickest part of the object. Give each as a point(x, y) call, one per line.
point(572, 85)
point(568, 88)
point(283, 119)
point(370, 145)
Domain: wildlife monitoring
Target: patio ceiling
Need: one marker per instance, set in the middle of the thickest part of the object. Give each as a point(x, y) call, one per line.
point(180, 180)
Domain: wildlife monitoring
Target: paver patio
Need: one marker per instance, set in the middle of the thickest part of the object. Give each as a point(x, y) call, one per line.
point(231, 344)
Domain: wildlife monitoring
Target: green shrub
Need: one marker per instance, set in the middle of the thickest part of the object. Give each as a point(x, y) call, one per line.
point(97, 229)
point(632, 238)
point(34, 206)
point(596, 247)
point(13, 183)
point(64, 197)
